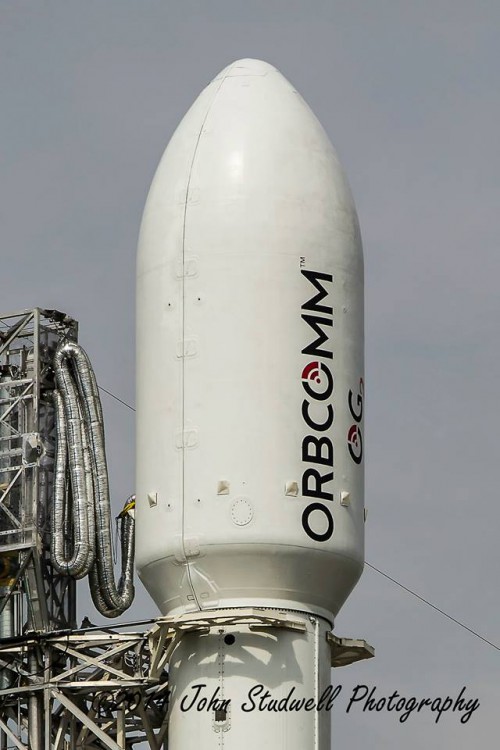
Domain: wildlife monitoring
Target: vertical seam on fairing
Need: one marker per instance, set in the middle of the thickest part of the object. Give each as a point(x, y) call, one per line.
point(183, 409)
point(316, 680)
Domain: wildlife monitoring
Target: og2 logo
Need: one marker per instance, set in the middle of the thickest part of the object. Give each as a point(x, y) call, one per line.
point(354, 437)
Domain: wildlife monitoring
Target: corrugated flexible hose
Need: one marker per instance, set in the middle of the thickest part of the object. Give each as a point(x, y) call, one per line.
point(81, 513)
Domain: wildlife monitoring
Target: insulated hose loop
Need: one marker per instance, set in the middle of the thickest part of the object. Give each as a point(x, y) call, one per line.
point(81, 516)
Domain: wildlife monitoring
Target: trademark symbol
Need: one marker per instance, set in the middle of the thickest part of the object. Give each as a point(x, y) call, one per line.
point(302, 261)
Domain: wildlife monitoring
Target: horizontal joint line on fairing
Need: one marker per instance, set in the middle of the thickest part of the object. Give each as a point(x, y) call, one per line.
point(261, 544)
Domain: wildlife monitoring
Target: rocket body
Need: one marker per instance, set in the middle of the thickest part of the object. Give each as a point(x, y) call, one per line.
point(250, 389)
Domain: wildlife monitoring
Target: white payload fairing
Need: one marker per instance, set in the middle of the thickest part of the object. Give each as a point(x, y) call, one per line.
point(250, 409)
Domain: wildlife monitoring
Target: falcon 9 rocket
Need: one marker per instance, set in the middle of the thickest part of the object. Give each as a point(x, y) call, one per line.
point(250, 400)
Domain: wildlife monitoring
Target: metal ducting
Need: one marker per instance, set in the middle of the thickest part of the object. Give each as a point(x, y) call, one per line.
point(81, 516)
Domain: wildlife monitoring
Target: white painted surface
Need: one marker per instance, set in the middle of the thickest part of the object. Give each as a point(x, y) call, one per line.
point(248, 194)
point(256, 673)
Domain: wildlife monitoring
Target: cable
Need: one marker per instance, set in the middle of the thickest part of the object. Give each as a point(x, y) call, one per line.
point(116, 625)
point(116, 398)
point(433, 606)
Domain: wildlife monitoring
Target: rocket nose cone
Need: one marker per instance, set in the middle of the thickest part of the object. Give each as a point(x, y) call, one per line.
point(246, 67)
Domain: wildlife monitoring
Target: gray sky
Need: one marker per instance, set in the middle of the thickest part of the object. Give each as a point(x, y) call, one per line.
point(408, 92)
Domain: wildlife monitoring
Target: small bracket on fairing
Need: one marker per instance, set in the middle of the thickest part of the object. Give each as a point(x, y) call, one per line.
point(346, 651)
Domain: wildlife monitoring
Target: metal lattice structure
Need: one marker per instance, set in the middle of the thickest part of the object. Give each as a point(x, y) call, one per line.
point(32, 595)
point(94, 689)
point(60, 687)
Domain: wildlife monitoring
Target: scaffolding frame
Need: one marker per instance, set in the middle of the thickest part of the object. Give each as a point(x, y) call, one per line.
point(44, 599)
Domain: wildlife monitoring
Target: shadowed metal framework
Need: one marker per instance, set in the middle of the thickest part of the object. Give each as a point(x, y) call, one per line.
point(84, 689)
point(59, 687)
point(32, 595)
